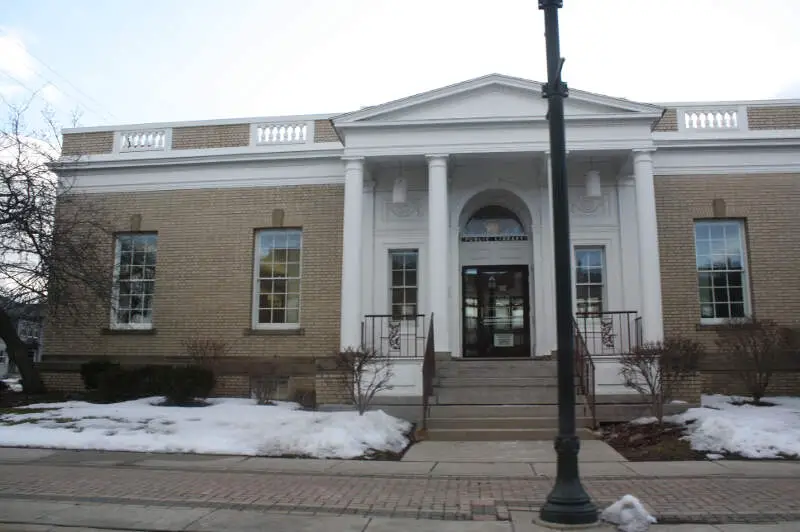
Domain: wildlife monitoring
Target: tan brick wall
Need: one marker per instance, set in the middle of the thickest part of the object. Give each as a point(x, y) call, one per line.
point(324, 132)
point(330, 388)
point(668, 122)
point(781, 383)
point(768, 204)
point(63, 382)
point(200, 137)
point(784, 117)
point(87, 143)
point(204, 273)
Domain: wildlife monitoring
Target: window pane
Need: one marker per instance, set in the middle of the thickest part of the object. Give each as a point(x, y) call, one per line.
point(135, 261)
point(397, 278)
point(279, 273)
point(724, 241)
point(411, 278)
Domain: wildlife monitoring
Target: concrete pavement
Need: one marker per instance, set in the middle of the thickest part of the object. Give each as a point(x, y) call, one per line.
point(46, 516)
point(697, 492)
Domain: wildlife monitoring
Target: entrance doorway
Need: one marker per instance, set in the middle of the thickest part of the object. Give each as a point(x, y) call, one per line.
point(495, 311)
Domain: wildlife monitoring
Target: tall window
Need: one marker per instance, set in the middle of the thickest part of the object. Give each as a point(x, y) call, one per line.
point(721, 269)
point(589, 278)
point(404, 283)
point(134, 281)
point(277, 282)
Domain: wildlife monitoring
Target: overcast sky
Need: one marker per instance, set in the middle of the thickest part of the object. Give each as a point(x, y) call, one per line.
point(160, 60)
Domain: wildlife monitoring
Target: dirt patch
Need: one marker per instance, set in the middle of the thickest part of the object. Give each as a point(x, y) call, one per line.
point(650, 442)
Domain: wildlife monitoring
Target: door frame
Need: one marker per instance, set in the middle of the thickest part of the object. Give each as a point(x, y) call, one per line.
point(525, 269)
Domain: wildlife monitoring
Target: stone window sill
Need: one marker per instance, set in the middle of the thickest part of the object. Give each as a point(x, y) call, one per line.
point(129, 332)
point(299, 331)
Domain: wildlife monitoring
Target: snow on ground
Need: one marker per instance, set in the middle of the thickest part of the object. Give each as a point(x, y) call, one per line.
point(751, 431)
point(227, 426)
point(15, 384)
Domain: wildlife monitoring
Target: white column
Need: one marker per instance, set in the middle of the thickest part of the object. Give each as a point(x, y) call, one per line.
point(546, 321)
point(649, 263)
point(437, 249)
point(350, 332)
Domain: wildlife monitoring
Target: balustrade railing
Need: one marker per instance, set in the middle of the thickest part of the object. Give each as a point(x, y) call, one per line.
point(283, 133)
point(402, 337)
point(609, 333)
point(584, 371)
point(711, 119)
point(144, 140)
point(428, 373)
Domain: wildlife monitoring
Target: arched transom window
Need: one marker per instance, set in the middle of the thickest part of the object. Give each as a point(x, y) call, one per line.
point(493, 222)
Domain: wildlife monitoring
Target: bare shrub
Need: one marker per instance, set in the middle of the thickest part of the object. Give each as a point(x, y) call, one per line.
point(206, 351)
point(263, 388)
point(756, 350)
point(365, 373)
point(657, 369)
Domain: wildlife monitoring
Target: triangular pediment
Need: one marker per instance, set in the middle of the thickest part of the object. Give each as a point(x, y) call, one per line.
point(494, 96)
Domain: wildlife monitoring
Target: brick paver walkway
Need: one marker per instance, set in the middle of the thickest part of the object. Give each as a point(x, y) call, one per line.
point(673, 499)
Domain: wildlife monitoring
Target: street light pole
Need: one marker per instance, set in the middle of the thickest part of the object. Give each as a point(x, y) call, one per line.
point(568, 503)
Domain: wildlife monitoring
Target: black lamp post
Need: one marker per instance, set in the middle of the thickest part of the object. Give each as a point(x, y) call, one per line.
point(568, 503)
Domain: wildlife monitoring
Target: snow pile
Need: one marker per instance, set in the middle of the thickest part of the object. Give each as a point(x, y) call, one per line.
point(629, 514)
point(227, 426)
point(751, 431)
point(15, 385)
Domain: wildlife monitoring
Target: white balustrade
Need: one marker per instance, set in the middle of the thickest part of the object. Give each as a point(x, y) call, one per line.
point(282, 133)
point(721, 119)
point(144, 140)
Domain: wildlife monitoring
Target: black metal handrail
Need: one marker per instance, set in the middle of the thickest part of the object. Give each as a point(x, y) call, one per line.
point(610, 332)
point(584, 371)
point(397, 337)
point(428, 373)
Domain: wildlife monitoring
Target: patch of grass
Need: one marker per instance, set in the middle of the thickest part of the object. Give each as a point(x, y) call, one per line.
point(737, 402)
point(23, 411)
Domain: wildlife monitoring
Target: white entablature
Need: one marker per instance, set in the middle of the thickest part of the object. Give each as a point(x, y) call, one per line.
point(497, 114)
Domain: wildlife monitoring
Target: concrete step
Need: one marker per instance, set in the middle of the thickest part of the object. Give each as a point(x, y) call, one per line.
point(499, 435)
point(500, 423)
point(506, 395)
point(491, 411)
point(456, 381)
point(496, 372)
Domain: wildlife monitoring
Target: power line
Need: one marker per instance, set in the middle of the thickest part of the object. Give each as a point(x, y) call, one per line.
point(101, 108)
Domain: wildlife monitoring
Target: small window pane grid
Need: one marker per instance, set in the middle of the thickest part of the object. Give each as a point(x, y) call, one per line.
point(403, 264)
point(134, 281)
point(589, 279)
point(721, 273)
point(278, 254)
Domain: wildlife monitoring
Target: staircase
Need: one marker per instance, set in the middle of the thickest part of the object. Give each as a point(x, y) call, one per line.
point(498, 400)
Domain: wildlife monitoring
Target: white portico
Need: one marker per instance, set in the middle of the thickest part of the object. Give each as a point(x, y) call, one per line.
point(447, 211)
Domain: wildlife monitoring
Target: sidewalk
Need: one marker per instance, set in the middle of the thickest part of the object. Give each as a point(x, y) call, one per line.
point(27, 516)
point(677, 492)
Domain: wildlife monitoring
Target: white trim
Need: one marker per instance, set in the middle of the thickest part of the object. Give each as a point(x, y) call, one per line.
point(746, 295)
point(255, 289)
point(486, 81)
point(320, 150)
point(113, 307)
point(587, 118)
point(196, 123)
point(725, 160)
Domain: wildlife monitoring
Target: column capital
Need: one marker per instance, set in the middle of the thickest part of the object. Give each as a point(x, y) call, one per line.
point(437, 158)
point(643, 153)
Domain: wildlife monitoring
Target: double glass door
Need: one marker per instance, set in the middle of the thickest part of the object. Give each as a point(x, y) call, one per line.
point(495, 315)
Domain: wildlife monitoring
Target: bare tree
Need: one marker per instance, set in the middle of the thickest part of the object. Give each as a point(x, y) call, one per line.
point(656, 370)
point(365, 372)
point(757, 349)
point(54, 243)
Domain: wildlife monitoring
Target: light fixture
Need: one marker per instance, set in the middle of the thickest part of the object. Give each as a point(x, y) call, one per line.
point(400, 189)
point(593, 184)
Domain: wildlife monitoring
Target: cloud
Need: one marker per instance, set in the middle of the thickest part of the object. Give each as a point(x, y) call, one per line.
point(15, 59)
point(791, 90)
point(51, 94)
